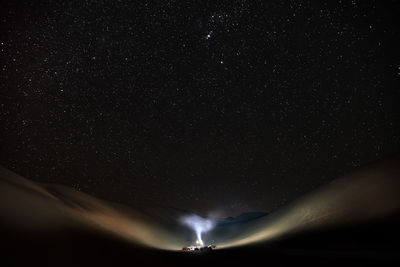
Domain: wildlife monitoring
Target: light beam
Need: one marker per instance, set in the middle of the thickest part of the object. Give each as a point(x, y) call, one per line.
point(199, 225)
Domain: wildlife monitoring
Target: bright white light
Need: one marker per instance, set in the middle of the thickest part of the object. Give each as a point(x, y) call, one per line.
point(209, 34)
point(199, 225)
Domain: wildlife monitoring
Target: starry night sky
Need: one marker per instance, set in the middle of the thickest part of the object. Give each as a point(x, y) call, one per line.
point(201, 105)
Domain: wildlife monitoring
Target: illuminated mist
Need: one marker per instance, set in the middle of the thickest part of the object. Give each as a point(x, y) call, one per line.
point(199, 225)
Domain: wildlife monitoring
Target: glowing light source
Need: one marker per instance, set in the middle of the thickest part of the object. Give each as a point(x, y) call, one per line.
point(199, 225)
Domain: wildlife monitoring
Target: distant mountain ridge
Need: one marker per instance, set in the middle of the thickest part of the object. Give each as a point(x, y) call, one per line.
point(244, 217)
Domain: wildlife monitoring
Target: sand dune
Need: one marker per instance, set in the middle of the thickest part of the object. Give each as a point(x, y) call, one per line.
point(30, 206)
point(369, 194)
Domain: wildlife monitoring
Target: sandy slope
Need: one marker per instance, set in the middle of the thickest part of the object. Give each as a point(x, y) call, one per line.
point(369, 194)
point(30, 206)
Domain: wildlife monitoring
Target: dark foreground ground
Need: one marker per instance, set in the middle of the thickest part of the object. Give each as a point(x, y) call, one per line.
point(376, 244)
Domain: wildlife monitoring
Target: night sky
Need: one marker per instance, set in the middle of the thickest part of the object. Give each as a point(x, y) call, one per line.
point(202, 105)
